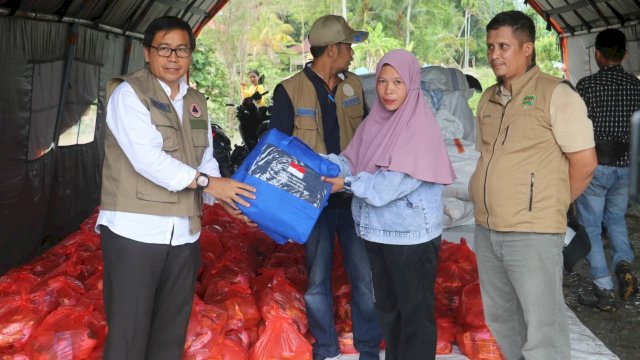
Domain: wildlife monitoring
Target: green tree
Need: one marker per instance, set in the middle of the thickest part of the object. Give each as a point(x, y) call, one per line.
point(368, 54)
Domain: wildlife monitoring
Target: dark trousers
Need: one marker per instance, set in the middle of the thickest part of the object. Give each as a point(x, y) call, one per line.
point(403, 281)
point(148, 292)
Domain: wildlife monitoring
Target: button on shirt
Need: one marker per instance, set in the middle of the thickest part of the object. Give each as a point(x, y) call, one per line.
point(612, 95)
point(130, 123)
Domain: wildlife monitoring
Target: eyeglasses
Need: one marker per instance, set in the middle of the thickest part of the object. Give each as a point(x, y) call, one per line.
point(166, 51)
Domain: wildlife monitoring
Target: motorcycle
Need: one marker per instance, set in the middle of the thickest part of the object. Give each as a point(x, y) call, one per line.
point(253, 122)
point(222, 151)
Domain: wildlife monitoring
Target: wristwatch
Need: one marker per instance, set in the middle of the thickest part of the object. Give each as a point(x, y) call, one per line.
point(347, 185)
point(202, 181)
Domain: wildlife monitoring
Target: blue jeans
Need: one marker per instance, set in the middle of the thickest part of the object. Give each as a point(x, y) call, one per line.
point(319, 298)
point(605, 202)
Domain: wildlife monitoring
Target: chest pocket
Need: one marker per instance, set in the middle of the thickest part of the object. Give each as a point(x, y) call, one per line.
point(170, 135)
point(306, 128)
point(200, 138)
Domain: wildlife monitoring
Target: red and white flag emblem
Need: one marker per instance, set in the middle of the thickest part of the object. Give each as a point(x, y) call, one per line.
point(195, 110)
point(296, 170)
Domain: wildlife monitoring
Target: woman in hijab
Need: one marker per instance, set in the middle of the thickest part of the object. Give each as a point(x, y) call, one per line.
point(396, 166)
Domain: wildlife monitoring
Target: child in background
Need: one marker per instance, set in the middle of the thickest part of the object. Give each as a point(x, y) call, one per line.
point(396, 166)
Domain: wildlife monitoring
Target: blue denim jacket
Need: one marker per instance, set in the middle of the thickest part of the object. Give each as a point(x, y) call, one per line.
point(393, 208)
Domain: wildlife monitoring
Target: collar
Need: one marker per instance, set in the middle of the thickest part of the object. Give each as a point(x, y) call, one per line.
point(516, 84)
point(183, 89)
point(311, 73)
point(614, 67)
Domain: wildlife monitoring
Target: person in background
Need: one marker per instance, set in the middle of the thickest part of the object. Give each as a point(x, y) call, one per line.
point(158, 168)
point(323, 105)
point(612, 95)
point(396, 166)
point(536, 156)
point(256, 87)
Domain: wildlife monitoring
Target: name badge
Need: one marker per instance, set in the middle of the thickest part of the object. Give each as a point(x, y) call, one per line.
point(350, 102)
point(306, 112)
point(160, 105)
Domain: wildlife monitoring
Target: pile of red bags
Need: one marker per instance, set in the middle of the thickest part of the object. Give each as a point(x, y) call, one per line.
point(459, 313)
point(248, 302)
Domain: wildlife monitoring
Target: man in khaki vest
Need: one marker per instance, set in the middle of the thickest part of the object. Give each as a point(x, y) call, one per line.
point(536, 156)
point(157, 156)
point(323, 105)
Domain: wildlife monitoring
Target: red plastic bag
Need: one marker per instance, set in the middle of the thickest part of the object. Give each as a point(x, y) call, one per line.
point(485, 346)
point(205, 328)
point(17, 282)
point(281, 340)
point(17, 321)
point(67, 333)
point(470, 313)
point(446, 334)
point(281, 299)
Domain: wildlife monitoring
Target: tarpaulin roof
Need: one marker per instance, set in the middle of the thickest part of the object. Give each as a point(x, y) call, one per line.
point(576, 16)
point(126, 17)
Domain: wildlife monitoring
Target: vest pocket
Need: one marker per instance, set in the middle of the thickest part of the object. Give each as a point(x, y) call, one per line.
point(170, 136)
point(200, 142)
point(147, 190)
point(306, 130)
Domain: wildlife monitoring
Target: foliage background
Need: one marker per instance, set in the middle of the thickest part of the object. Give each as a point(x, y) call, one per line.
point(267, 35)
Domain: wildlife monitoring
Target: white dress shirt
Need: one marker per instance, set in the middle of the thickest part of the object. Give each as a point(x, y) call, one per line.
point(130, 123)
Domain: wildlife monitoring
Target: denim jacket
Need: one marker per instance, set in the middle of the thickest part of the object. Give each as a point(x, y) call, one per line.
point(391, 207)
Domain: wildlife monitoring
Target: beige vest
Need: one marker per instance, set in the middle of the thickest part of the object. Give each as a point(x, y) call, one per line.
point(307, 123)
point(124, 189)
point(521, 182)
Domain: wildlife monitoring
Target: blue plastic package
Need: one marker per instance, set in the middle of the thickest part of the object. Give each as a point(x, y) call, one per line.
point(289, 192)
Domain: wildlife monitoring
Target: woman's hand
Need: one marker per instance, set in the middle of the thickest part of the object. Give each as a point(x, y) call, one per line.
point(336, 182)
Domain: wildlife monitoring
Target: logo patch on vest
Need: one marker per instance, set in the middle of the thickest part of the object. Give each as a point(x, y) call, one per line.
point(348, 90)
point(350, 102)
point(194, 109)
point(306, 112)
point(528, 101)
point(160, 105)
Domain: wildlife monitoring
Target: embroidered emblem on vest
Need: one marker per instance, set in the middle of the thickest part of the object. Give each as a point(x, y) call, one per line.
point(160, 105)
point(351, 102)
point(194, 109)
point(348, 90)
point(306, 112)
point(528, 101)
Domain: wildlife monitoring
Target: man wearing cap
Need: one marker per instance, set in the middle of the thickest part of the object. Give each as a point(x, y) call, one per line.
point(323, 105)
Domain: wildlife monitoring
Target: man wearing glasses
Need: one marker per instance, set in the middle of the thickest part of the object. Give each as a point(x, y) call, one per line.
point(157, 171)
point(323, 105)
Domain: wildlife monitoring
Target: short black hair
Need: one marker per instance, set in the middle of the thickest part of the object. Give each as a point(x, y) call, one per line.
point(166, 23)
point(254, 71)
point(519, 22)
point(612, 44)
point(317, 51)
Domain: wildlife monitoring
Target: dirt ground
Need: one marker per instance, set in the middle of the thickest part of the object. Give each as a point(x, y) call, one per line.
point(618, 330)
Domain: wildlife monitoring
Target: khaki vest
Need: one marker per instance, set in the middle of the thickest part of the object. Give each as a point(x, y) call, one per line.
point(124, 189)
point(307, 123)
point(521, 182)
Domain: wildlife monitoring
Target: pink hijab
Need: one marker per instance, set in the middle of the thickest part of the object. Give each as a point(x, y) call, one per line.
point(407, 140)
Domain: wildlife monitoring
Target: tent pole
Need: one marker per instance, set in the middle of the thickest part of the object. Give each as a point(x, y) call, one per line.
point(68, 61)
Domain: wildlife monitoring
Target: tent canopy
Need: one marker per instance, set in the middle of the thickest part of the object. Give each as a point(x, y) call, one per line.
point(126, 17)
point(579, 16)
